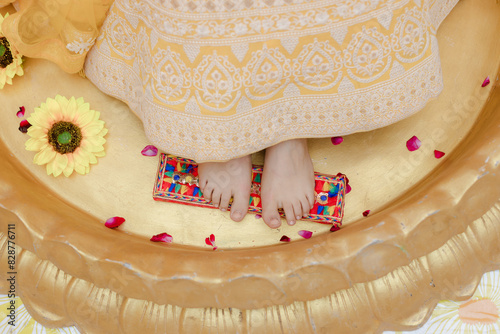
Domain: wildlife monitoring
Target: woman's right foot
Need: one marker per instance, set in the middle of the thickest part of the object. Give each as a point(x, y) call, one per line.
point(219, 181)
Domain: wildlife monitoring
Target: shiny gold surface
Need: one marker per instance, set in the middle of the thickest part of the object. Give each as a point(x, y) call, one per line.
point(433, 229)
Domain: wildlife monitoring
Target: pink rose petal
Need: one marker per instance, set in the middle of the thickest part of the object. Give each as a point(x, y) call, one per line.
point(486, 82)
point(348, 189)
point(21, 112)
point(257, 216)
point(285, 239)
point(366, 213)
point(114, 222)
point(24, 126)
point(413, 144)
point(211, 241)
point(305, 234)
point(337, 140)
point(438, 154)
point(334, 228)
point(162, 237)
point(150, 151)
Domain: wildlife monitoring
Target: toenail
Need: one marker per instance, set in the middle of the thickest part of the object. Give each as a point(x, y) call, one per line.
point(237, 214)
point(298, 217)
point(291, 222)
point(274, 221)
point(223, 209)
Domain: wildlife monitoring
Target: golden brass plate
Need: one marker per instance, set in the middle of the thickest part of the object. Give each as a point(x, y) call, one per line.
point(432, 232)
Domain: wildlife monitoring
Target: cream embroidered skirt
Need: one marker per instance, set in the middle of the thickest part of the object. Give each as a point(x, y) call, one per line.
point(214, 80)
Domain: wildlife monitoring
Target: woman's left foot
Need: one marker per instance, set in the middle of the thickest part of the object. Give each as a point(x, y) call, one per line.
point(287, 182)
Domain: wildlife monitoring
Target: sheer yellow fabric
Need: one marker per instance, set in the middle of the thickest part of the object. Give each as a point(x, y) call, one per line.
point(61, 31)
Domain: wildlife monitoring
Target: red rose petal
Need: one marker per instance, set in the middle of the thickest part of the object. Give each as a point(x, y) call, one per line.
point(413, 144)
point(486, 82)
point(211, 241)
point(337, 140)
point(305, 234)
point(348, 189)
point(24, 126)
point(150, 151)
point(285, 239)
point(366, 213)
point(21, 112)
point(114, 222)
point(438, 154)
point(162, 237)
point(334, 228)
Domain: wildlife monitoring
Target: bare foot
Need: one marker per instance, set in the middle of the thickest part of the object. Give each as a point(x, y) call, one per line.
point(287, 182)
point(219, 181)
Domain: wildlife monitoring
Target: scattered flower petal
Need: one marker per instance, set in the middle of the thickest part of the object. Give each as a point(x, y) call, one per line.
point(285, 239)
point(486, 82)
point(150, 151)
point(21, 112)
point(114, 222)
point(334, 228)
point(348, 189)
point(305, 234)
point(366, 213)
point(24, 126)
point(257, 216)
point(413, 144)
point(337, 140)
point(162, 237)
point(211, 241)
point(438, 154)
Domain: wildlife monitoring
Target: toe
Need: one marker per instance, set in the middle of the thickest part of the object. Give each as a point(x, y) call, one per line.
point(310, 198)
point(202, 184)
point(306, 207)
point(207, 192)
point(239, 207)
point(290, 215)
point(224, 200)
point(297, 209)
point(216, 197)
point(270, 213)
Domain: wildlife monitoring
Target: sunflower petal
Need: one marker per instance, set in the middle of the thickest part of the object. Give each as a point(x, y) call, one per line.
point(37, 132)
point(81, 157)
point(70, 111)
point(80, 169)
point(44, 156)
point(93, 128)
point(34, 144)
point(54, 110)
point(84, 118)
point(39, 118)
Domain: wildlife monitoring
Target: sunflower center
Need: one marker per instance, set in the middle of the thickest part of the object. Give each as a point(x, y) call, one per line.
point(5, 54)
point(65, 137)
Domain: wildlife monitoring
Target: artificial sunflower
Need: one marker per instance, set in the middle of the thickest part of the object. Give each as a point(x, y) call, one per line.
point(67, 134)
point(10, 59)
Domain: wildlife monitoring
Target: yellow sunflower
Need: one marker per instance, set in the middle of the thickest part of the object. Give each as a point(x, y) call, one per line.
point(67, 134)
point(10, 59)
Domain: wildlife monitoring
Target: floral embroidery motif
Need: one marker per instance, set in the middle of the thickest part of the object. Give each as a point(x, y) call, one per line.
point(266, 73)
point(318, 66)
point(219, 80)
